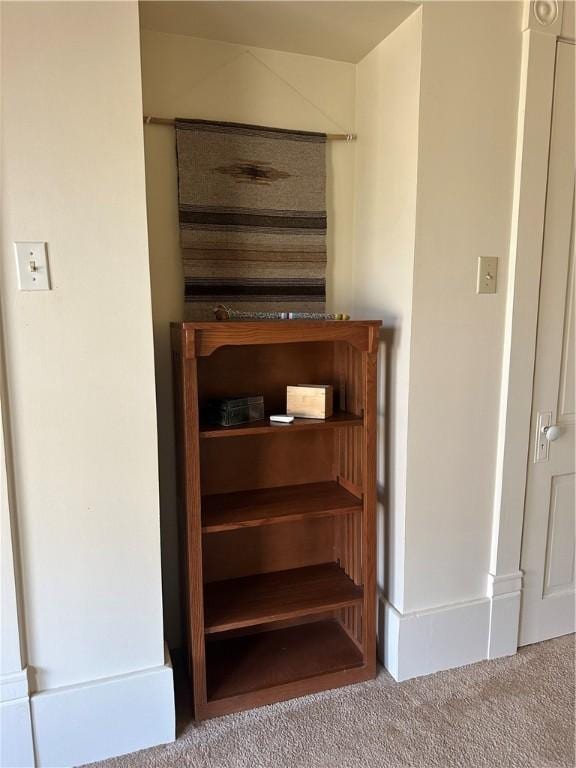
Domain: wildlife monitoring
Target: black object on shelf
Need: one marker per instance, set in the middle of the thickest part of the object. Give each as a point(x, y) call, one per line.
point(235, 410)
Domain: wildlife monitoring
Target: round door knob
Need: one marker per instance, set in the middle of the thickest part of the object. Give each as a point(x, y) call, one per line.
point(551, 433)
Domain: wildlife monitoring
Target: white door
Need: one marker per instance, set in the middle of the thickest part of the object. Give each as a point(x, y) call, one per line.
point(548, 542)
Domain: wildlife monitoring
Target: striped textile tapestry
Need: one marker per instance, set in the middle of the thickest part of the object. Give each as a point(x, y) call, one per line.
point(252, 212)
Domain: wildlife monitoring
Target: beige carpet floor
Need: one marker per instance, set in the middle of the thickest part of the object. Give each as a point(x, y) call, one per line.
point(516, 712)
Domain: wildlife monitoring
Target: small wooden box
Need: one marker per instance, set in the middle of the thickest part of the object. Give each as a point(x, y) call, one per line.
point(310, 401)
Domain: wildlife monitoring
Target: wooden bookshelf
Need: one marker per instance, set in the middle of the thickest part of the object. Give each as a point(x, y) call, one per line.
point(277, 525)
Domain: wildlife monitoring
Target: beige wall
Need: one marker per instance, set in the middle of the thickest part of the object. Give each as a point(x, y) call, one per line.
point(434, 178)
point(189, 77)
point(387, 103)
point(80, 357)
point(467, 135)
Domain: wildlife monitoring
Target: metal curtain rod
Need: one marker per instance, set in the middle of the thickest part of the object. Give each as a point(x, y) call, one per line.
point(329, 136)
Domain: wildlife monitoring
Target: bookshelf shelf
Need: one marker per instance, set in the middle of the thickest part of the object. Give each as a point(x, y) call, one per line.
point(268, 597)
point(270, 506)
point(263, 427)
point(266, 664)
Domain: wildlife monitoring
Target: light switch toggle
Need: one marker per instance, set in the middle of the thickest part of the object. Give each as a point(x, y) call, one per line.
point(487, 274)
point(32, 266)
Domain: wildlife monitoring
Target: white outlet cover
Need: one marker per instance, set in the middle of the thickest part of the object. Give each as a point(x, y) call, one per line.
point(32, 266)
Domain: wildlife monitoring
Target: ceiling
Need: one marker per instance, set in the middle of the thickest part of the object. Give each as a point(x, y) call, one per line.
point(344, 31)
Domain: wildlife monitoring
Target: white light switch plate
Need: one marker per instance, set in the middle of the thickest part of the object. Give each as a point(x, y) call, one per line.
point(32, 266)
point(487, 274)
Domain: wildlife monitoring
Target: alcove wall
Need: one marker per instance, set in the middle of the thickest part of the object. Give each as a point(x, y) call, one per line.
point(425, 190)
point(186, 76)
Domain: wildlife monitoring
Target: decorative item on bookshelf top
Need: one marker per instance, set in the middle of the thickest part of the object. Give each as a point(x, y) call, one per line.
point(222, 312)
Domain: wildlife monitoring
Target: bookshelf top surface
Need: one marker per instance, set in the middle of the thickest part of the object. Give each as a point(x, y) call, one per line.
point(276, 325)
point(202, 339)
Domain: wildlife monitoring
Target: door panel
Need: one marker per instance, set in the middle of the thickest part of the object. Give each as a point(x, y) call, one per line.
point(567, 383)
point(559, 570)
point(548, 545)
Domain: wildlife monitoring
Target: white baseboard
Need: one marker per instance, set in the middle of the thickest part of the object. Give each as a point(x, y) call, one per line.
point(504, 621)
point(14, 685)
point(16, 743)
point(423, 642)
point(104, 718)
point(504, 592)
